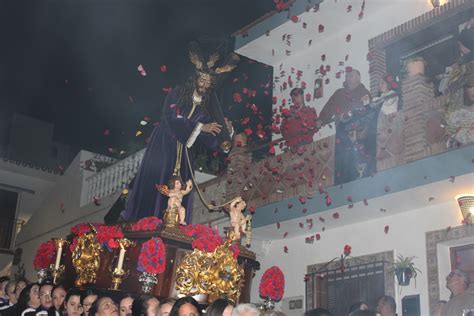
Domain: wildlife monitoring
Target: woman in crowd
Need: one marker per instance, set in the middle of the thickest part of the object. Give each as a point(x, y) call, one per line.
point(145, 305)
point(104, 306)
point(59, 293)
point(220, 307)
point(3, 292)
point(88, 297)
point(186, 306)
point(166, 306)
point(10, 292)
point(28, 302)
point(72, 303)
point(20, 285)
point(45, 296)
point(125, 306)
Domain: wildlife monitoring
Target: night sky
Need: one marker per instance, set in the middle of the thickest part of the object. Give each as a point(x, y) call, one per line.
point(74, 63)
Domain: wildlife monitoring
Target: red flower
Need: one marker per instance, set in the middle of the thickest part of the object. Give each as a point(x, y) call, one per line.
point(45, 255)
point(147, 224)
point(152, 258)
point(163, 68)
point(205, 238)
point(347, 250)
point(272, 284)
point(237, 97)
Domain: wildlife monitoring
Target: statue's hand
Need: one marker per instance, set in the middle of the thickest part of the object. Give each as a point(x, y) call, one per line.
point(212, 128)
point(189, 184)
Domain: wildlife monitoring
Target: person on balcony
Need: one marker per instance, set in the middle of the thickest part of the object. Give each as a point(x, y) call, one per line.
point(355, 129)
point(191, 112)
point(351, 96)
point(389, 123)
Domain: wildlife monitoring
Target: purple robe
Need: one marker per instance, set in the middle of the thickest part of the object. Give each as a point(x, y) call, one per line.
point(160, 157)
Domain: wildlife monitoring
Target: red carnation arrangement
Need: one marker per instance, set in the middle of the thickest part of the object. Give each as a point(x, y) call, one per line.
point(106, 235)
point(272, 284)
point(299, 126)
point(147, 224)
point(45, 255)
point(205, 238)
point(152, 258)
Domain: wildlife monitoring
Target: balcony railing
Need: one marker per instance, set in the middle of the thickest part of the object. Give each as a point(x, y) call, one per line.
point(111, 179)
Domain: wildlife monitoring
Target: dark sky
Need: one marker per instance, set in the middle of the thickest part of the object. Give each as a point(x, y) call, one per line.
point(74, 63)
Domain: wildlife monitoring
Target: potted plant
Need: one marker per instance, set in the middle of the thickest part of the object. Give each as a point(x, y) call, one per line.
point(415, 66)
point(405, 269)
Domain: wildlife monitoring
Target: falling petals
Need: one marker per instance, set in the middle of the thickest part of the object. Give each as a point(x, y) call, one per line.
point(387, 188)
point(385, 229)
point(285, 234)
point(141, 70)
point(335, 215)
point(348, 38)
point(285, 249)
point(163, 68)
point(320, 28)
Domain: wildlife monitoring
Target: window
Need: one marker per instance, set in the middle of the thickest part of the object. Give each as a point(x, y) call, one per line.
point(462, 257)
point(338, 289)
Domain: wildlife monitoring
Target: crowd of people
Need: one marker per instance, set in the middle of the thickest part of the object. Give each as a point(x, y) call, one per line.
point(23, 298)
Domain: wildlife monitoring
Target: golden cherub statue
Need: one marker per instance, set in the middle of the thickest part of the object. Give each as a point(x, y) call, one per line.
point(238, 221)
point(175, 191)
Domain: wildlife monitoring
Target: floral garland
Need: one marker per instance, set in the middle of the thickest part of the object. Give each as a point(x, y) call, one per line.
point(45, 255)
point(152, 258)
point(146, 224)
point(272, 284)
point(106, 235)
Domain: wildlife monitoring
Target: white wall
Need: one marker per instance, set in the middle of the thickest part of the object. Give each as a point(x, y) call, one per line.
point(60, 211)
point(406, 236)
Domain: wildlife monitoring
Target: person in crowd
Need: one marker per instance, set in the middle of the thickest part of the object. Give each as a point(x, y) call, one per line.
point(88, 297)
point(438, 308)
point(166, 306)
point(363, 313)
point(3, 289)
point(352, 96)
point(186, 306)
point(386, 306)
point(105, 306)
point(220, 307)
point(28, 302)
point(125, 306)
point(59, 293)
point(458, 282)
point(146, 305)
point(466, 45)
point(20, 285)
point(45, 296)
point(72, 303)
point(245, 310)
point(318, 312)
point(11, 297)
point(359, 306)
